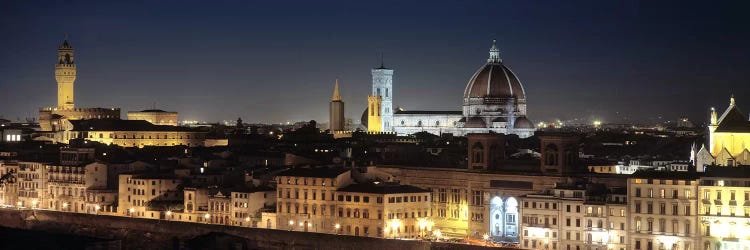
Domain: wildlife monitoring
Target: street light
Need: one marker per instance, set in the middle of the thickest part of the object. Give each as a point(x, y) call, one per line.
point(486, 237)
point(337, 226)
point(169, 214)
point(132, 211)
point(33, 203)
point(438, 234)
point(96, 208)
point(291, 225)
point(207, 216)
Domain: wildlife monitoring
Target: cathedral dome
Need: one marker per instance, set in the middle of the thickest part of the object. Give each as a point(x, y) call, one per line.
point(475, 122)
point(494, 80)
point(523, 122)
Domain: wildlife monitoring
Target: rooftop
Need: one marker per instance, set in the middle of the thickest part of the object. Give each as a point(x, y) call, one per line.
point(316, 172)
point(124, 125)
point(382, 188)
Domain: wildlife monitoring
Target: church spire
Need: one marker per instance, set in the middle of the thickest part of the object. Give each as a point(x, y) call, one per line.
point(336, 96)
point(494, 54)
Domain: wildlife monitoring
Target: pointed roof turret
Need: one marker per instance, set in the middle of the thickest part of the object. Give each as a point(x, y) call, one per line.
point(65, 44)
point(714, 118)
point(494, 54)
point(336, 97)
point(731, 100)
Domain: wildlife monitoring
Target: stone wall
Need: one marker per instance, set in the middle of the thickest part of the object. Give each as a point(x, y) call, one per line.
point(136, 233)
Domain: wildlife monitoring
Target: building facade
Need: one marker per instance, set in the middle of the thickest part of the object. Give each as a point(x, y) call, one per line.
point(663, 209)
point(155, 116)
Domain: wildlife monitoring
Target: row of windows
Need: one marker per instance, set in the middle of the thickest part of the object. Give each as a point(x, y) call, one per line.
point(675, 194)
point(663, 182)
point(305, 181)
point(718, 196)
point(675, 210)
point(662, 226)
point(132, 136)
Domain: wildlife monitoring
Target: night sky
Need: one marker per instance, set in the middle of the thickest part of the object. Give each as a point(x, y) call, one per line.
point(276, 61)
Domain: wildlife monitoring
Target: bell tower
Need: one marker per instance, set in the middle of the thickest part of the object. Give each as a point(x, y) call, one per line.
point(382, 87)
point(65, 75)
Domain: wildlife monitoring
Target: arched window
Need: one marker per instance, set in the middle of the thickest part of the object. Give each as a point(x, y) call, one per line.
point(419, 123)
point(437, 123)
point(477, 151)
point(550, 155)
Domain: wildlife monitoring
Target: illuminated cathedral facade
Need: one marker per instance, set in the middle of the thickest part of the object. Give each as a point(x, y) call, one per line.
point(493, 101)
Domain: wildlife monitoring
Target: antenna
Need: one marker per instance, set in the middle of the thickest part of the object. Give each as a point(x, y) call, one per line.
point(382, 62)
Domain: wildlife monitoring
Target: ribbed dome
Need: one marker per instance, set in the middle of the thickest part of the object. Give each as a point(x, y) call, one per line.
point(475, 122)
point(523, 122)
point(494, 80)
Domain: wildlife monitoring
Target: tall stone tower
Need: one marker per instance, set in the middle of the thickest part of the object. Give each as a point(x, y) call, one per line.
point(65, 75)
point(336, 112)
point(382, 86)
point(374, 120)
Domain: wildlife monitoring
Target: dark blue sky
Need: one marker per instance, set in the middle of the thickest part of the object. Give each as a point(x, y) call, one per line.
point(276, 61)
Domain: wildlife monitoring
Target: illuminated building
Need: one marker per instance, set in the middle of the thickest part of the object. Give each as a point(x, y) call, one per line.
point(141, 194)
point(483, 199)
point(130, 133)
point(246, 204)
point(155, 116)
point(494, 101)
point(336, 113)
point(32, 184)
point(219, 208)
point(327, 201)
point(374, 114)
point(9, 189)
point(574, 217)
point(51, 118)
point(725, 208)
point(663, 207)
point(728, 139)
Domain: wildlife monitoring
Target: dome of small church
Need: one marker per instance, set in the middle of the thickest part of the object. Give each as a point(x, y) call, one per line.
point(363, 119)
point(494, 80)
point(475, 122)
point(523, 122)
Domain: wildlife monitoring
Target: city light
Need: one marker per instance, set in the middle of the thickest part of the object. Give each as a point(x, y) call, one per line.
point(486, 236)
point(132, 210)
point(169, 213)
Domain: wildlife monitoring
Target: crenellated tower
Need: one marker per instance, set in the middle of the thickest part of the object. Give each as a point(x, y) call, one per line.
point(65, 75)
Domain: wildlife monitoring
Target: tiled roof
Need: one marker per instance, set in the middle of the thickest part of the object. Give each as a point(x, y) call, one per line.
point(318, 172)
point(124, 125)
point(382, 188)
point(733, 121)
